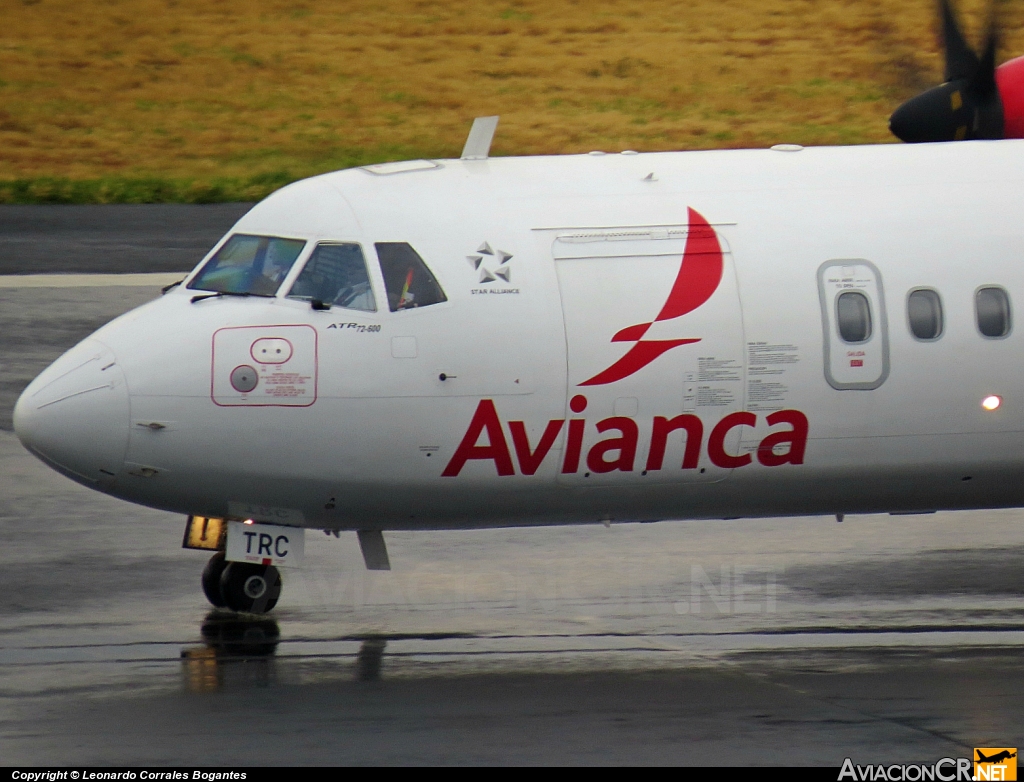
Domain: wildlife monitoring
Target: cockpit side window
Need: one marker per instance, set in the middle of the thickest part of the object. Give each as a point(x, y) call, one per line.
point(407, 279)
point(336, 274)
point(249, 264)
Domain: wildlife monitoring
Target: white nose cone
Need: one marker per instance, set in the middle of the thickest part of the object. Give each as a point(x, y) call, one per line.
point(74, 416)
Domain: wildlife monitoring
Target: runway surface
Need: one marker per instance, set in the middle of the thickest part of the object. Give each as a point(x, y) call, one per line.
point(130, 238)
point(781, 641)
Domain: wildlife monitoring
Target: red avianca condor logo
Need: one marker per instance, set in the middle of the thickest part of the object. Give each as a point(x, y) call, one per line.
point(699, 275)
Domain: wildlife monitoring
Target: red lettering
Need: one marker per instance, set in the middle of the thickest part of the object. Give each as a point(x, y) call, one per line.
point(625, 445)
point(716, 442)
point(659, 439)
point(484, 419)
point(573, 445)
point(796, 437)
point(530, 461)
point(619, 453)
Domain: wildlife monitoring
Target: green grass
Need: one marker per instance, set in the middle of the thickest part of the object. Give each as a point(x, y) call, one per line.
point(169, 190)
point(150, 190)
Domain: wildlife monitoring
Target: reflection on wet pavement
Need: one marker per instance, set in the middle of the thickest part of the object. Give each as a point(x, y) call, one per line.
point(370, 658)
point(236, 649)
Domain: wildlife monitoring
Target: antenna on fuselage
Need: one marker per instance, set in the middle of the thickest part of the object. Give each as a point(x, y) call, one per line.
point(478, 143)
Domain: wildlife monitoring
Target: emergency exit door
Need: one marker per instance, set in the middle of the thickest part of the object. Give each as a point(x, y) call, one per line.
point(854, 325)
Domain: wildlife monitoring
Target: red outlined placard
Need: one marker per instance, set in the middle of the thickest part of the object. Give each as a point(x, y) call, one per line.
point(264, 366)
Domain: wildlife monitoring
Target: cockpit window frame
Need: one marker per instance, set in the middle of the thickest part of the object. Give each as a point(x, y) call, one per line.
point(297, 262)
point(286, 290)
point(417, 259)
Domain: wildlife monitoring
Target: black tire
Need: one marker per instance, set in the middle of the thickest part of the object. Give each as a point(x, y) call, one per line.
point(211, 579)
point(249, 588)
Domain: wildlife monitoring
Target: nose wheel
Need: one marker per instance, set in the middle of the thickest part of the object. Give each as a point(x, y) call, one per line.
point(211, 579)
point(241, 586)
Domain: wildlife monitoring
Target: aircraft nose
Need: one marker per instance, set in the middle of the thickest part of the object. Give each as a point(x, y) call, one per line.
point(75, 415)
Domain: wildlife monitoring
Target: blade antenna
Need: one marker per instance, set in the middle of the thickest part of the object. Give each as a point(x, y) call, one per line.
point(961, 61)
point(478, 144)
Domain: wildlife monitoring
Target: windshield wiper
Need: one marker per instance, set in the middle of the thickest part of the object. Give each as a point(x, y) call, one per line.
point(218, 294)
point(166, 288)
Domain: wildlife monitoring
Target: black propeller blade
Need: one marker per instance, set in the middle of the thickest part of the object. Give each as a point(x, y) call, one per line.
point(967, 105)
point(961, 61)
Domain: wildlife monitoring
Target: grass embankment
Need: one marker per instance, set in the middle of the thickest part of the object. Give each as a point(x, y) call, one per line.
point(208, 100)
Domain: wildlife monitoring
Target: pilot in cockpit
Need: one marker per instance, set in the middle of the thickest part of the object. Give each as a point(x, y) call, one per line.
point(336, 275)
point(276, 264)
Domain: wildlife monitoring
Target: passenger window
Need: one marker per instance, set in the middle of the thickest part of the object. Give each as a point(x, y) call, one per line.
point(992, 306)
point(407, 279)
point(336, 274)
point(853, 313)
point(924, 313)
point(255, 265)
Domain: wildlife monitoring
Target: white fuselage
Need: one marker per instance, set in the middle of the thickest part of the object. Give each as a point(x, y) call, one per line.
point(467, 413)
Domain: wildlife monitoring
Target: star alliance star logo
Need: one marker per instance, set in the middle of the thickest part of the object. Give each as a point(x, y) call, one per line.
point(497, 260)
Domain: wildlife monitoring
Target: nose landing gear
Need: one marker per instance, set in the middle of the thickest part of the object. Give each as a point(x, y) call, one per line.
point(241, 586)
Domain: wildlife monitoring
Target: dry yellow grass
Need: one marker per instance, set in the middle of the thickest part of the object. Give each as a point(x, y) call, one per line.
point(207, 89)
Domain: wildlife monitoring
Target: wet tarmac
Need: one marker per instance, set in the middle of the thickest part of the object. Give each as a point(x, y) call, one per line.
point(892, 639)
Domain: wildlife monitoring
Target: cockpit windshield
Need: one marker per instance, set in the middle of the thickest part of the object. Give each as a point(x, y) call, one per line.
point(249, 264)
point(336, 275)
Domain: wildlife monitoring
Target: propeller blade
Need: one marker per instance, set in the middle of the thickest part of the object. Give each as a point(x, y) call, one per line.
point(968, 105)
point(961, 61)
point(983, 81)
point(983, 92)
